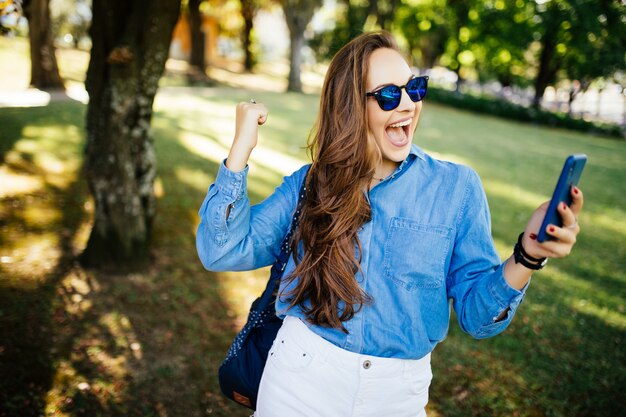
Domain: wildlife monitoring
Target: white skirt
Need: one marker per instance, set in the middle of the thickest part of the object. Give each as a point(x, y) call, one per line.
point(305, 375)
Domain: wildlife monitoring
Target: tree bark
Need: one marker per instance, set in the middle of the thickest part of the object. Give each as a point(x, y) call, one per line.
point(298, 14)
point(130, 46)
point(248, 11)
point(44, 71)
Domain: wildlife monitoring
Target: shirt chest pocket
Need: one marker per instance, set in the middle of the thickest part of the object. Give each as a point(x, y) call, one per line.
point(415, 253)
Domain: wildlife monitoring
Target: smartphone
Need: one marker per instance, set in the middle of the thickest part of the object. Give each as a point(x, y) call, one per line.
point(570, 176)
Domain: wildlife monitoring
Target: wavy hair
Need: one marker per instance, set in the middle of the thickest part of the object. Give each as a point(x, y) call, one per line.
point(336, 207)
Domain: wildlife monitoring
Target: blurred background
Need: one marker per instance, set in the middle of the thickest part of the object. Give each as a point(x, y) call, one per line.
point(115, 116)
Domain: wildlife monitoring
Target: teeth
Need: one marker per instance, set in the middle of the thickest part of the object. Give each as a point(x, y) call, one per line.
point(401, 124)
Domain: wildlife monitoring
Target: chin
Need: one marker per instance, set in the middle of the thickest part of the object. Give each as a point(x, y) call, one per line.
point(397, 154)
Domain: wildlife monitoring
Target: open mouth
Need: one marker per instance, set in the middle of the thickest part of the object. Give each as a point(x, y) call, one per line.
point(398, 133)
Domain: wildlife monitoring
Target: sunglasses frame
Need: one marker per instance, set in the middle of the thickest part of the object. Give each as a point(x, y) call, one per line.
point(377, 94)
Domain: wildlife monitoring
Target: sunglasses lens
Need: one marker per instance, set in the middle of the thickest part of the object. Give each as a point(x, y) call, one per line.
point(389, 97)
point(417, 88)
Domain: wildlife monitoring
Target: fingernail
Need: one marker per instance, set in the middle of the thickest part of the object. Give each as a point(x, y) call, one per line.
point(564, 206)
point(575, 190)
point(532, 236)
point(552, 228)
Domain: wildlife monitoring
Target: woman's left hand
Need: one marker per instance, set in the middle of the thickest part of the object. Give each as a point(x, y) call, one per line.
point(565, 237)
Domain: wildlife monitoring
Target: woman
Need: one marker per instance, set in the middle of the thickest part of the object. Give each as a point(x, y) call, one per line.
point(387, 235)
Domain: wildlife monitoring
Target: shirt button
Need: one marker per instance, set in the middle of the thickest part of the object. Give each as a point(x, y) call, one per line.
point(367, 364)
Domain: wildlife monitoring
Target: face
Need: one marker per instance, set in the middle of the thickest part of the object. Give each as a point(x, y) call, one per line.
point(391, 130)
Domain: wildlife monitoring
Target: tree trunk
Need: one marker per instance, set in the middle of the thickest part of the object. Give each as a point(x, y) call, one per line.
point(197, 58)
point(547, 69)
point(549, 62)
point(130, 46)
point(248, 11)
point(295, 62)
point(298, 14)
point(44, 71)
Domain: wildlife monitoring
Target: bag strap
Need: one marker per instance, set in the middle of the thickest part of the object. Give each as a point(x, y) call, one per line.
point(283, 257)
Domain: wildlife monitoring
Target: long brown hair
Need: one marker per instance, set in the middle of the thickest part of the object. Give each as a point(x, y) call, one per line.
point(336, 206)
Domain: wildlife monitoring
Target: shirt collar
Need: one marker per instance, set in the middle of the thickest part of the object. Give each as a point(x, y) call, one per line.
point(415, 152)
point(418, 152)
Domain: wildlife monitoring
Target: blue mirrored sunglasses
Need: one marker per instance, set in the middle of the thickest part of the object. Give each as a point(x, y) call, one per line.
point(389, 97)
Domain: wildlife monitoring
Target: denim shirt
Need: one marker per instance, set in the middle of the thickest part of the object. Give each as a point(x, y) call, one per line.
point(429, 241)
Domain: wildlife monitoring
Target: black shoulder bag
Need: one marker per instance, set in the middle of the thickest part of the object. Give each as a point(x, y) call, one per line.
point(240, 373)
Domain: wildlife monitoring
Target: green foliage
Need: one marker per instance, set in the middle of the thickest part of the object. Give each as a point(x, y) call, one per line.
point(592, 38)
point(502, 36)
point(506, 109)
point(517, 42)
point(425, 28)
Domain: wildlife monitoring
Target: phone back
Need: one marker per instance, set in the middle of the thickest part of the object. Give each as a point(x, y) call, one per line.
point(570, 176)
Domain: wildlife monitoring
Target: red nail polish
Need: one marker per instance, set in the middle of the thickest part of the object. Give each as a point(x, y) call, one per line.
point(552, 228)
point(575, 190)
point(564, 206)
point(532, 236)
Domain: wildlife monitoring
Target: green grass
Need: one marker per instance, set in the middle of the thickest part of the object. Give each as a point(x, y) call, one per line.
point(76, 342)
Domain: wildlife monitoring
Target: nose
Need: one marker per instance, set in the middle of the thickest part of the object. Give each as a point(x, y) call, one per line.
point(406, 104)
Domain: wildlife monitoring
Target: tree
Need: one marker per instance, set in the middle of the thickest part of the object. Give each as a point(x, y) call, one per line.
point(458, 52)
point(349, 23)
point(130, 46)
point(298, 14)
point(582, 39)
point(352, 17)
point(502, 36)
point(196, 59)
point(44, 70)
point(425, 28)
point(249, 9)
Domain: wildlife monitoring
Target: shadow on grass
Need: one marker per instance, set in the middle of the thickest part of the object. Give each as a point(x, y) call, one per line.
point(88, 343)
point(29, 292)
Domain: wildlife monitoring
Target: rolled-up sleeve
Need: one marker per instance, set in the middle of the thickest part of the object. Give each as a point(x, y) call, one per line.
point(475, 281)
point(232, 234)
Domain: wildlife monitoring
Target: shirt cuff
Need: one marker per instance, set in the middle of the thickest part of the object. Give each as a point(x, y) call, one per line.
point(229, 183)
point(503, 293)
